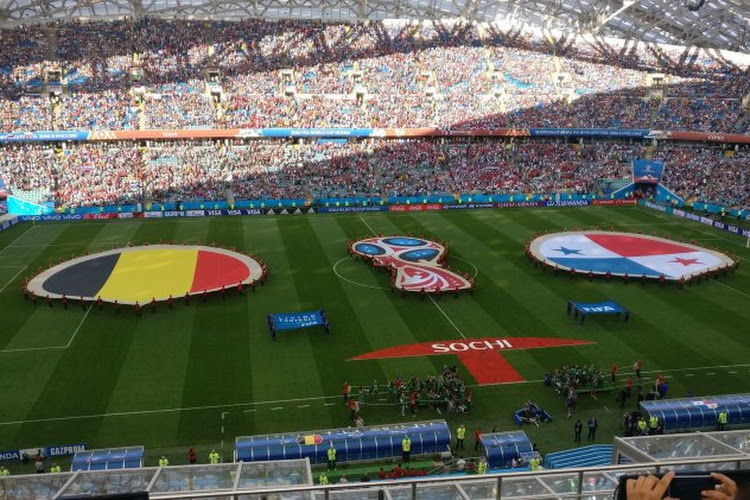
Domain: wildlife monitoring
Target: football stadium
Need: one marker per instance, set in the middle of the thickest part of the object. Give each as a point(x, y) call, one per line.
point(429, 249)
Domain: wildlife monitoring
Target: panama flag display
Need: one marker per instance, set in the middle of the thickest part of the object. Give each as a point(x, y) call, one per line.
point(636, 255)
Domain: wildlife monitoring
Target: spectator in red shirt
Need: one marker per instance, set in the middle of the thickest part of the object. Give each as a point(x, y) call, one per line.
point(477, 439)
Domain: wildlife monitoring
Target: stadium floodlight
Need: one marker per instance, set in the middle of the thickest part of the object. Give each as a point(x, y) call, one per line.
point(694, 5)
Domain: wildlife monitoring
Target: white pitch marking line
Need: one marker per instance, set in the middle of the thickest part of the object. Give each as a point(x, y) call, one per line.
point(314, 398)
point(79, 326)
point(732, 288)
point(695, 229)
point(250, 411)
point(433, 300)
point(13, 278)
point(447, 317)
point(608, 410)
point(276, 408)
point(54, 347)
point(732, 372)
point(303, 406)
point(19, 237)
point(357, 283)
point(710, 373)
point(368, 225)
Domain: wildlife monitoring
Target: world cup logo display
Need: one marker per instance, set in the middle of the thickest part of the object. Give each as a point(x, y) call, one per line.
point(416, 265)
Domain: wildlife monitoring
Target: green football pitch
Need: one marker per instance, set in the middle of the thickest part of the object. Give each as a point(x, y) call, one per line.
point(204, 373)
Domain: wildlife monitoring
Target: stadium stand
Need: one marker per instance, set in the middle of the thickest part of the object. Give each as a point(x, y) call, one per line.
point(92, 174)
point(149, 73)
point(439, 75)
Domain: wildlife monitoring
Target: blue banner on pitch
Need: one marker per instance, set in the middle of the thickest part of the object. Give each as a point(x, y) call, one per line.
point(292, 321)
point(606, 307)
point(579, 310)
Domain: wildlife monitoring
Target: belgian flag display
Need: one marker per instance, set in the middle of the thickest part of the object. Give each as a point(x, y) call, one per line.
point(142, 274)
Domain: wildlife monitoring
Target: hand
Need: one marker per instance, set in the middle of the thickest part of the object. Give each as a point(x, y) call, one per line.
point(649, 487)
point(727, 490)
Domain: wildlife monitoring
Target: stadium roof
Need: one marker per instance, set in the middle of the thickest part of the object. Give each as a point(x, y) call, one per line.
point(721, 24)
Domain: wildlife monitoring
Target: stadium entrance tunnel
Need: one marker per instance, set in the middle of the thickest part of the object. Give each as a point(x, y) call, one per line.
point(146, 273)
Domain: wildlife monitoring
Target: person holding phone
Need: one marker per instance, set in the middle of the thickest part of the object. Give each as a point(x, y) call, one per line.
point(652, 488)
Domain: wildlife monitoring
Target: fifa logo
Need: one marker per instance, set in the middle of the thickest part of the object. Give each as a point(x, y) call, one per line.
point(416, 265)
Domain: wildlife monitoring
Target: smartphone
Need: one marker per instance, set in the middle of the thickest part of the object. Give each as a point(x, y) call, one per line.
point(689, 486)
point(683, 486)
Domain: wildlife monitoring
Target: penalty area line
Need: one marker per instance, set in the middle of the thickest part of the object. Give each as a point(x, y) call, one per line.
point(54, 347)
point(13, 278)
point(18, 238)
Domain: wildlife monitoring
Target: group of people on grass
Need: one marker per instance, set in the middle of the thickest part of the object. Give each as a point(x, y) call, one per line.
point(447, 392)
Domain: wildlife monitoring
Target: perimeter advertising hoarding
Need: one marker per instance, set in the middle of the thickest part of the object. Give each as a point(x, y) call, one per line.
point(63, 135)
point(588, 132)
point(613, 202)
point(417, 207)
point(698, 218)
point(334, 210)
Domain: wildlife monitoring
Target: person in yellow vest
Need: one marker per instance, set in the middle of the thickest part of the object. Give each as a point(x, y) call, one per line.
point(653, 423)
point(213, 457)
point(55, 468)
point(482, 467)
point(331, 457)
point(460, 436)
point(4, 471)
point(406, 448)
point(534, 463)
point(323, 479)
point(163, 461)
point(722, 420)
point(642, 426)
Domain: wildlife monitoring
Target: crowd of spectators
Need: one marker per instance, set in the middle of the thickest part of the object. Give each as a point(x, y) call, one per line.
point(707, 174)
point(410, 74)
point(174, 171)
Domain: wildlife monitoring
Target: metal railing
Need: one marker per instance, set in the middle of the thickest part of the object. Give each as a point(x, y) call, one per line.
point(414, 485)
